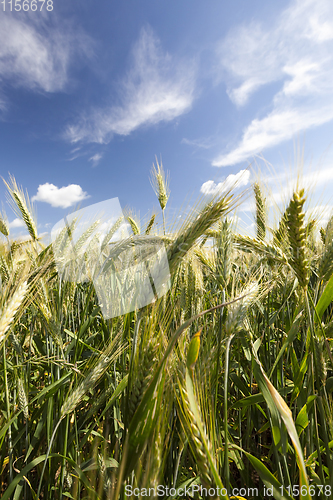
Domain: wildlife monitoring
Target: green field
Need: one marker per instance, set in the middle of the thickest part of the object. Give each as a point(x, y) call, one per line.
point(224, 382)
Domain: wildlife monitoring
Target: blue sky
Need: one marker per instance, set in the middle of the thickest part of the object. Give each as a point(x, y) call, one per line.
point(91, 91)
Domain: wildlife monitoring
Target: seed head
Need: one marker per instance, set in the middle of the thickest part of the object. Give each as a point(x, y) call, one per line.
point(160, 184)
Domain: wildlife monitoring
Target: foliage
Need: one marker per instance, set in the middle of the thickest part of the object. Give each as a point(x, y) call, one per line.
point(225, 381)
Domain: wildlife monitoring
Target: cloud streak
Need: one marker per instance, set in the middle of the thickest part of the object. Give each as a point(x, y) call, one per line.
point(157, 88)
point(95, 159)
point(63, 197)
point(296, 53)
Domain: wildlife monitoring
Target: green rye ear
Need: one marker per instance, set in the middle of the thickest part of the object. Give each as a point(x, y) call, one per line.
point(297, 237)
point(261, 211)
point(22, 207)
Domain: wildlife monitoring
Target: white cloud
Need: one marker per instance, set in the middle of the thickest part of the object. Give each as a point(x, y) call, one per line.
point(16, 223)
point(242, 178)
point(297, 52)
point(63, 197)
point(157, 88)
point(36, 51)
point(95, 159)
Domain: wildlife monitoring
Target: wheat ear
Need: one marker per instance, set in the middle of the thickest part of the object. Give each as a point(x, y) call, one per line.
point(150, 224)
point(112, 231)
point(272, 252)
point(143, 377)
point(193, 434)
point(88, 383)
point(22, 397)
point(326, 262)
point(261, 212)
point(134, 226)
point(280, 234)
point(9, 312)
point(206, 218)
point(224, 252)
point(4, 229)
point(297, 237)
point(160, 184)
point(22, 207)
point(4, 270)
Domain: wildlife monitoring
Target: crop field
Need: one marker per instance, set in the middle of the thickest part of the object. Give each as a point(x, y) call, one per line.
point(221, 387)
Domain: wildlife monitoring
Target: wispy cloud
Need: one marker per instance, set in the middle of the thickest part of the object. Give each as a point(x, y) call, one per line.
point(296, 51)
point(63, 197)
point(95, 159)
point(36, 52)
point(241, 179)
point(204, 143)
point(157, 88)
point(74, 150)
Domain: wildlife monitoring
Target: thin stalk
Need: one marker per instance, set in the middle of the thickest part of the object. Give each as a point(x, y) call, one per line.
point(218, 354)
point(226, 445)
point(46, 458)
point(179, 456)
point(325, 438)
point(10, 444)
point(63, 463)
point(163, 221)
